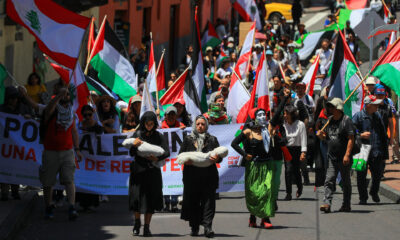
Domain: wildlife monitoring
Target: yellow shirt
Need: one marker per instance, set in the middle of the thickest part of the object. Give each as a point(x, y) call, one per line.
point(35, 91)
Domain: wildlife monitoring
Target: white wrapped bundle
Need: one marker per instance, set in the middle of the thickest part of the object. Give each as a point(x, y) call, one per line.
point(146, 150)
point(200, 159)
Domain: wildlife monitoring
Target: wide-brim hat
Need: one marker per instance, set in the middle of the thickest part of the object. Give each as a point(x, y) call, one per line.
point(102, 98)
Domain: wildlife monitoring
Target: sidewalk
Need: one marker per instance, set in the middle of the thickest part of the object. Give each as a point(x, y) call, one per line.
point(390, 185)
point(14, 213)
point(316, 9)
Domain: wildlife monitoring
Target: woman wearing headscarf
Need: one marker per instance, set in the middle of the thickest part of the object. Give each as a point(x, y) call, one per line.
point(262, 157)
point(200, 183)
point(145, 184)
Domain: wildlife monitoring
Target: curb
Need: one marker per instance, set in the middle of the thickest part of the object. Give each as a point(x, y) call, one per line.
point(18, 216)
point(310, 10)
point(390, 193)
point(384, 189)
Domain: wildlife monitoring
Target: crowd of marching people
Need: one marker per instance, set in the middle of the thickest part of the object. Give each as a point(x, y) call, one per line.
point(298, 132)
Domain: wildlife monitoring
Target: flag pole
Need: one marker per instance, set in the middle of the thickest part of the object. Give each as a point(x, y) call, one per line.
point(158, 69)
point(89, 43)
point(187, 69)
point(158, 105)
point(95, 44)
point(11, 76)
point(240, 81)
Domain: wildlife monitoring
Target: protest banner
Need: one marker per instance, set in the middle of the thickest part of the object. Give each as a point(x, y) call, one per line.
point(105, 168)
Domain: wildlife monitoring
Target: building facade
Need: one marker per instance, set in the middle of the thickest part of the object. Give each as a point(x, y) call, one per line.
point(169, 21)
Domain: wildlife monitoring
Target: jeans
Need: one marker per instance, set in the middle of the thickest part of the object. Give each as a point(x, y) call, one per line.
point(334, 168)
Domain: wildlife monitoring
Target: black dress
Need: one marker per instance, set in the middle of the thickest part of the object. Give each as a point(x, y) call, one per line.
point(145, 183)
point(199, 186)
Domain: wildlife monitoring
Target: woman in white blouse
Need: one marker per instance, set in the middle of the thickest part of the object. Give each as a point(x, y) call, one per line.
point(297, 144)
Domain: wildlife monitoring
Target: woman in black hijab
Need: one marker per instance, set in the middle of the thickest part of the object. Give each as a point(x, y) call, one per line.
point(200, 183)
point(145, 184)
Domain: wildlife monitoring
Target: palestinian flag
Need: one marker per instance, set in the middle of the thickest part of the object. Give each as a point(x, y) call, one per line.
point(183, 88)
point(161, 77)
point(94, 85)
point(197, 65)
point(221, 56)
point(210, 37)
point(58, 31)
point(312, 41)
point(387, 68)
point(78, 89)
point(110, 60)
point(354, 16)
point(344, 78)
point(3, 77)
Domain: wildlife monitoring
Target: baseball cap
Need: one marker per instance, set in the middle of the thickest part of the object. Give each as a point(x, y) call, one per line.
point(337, 103)
point(209, 49)
point(269, 52)
point(258, 46)
point(379, 89)
point(371, 99)
point(231, 39)
point(180, 101)
point(370, 80)
point(171, 109)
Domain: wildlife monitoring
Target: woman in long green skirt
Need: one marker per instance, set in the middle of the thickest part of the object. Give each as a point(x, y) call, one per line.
point(262, 158)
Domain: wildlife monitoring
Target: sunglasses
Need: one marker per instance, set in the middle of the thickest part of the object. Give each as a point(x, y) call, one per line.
point(87, 115)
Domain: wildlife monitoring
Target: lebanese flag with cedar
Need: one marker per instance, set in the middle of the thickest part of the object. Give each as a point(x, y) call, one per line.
point(80, 91)
point(238, 94)
point(260, 94)
point(248, 10)
point(58, 31)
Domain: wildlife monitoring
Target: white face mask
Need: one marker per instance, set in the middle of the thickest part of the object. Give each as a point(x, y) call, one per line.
point(261, 119)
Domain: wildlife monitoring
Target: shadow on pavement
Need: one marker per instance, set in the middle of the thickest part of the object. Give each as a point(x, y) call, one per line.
point(167, 235)
point(279, 212)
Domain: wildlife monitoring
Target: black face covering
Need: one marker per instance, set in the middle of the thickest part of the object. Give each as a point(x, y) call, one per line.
point(148, 116)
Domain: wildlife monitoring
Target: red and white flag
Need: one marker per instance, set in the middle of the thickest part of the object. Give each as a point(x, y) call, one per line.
point(80, 91)
point(248, 10)
point(260, 94)
point(238, 94)
point(309, 78)
point(392, 39)
point(58, 31)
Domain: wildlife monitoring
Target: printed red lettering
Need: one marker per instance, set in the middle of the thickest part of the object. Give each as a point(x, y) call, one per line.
point(19, 151)
point(30, 155)
point(89, 164)
point(126, 166)
point(115, 166)
point(165, 165)
point(174, 166)
point(100, 166)
point(6, 155)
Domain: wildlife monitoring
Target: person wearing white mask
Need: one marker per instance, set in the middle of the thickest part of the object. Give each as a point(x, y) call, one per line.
point(262, 159)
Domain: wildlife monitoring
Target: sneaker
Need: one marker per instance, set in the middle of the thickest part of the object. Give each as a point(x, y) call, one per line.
point(325, 208)
point(49, 212)
point(167, 208)
point(72, 213)
point(375, 197)
point(174, 208)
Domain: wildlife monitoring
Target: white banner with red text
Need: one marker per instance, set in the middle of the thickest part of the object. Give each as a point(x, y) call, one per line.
point(105, 168)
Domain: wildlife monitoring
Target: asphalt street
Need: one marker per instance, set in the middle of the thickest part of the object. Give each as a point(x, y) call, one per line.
point(296, 219)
